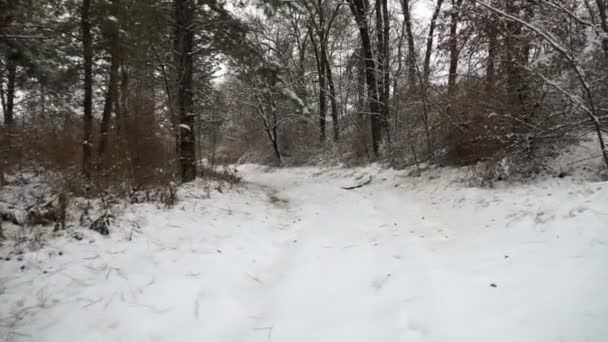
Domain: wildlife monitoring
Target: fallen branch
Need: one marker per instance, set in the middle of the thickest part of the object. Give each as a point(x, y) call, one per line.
point(358, 185)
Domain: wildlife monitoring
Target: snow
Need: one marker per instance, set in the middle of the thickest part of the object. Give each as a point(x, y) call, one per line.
point(293, 257)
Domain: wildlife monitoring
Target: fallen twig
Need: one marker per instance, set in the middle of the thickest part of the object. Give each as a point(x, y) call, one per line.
point(368, 181)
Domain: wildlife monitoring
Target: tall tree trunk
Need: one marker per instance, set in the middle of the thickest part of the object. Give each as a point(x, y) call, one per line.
point(321, 70)
point(359, 10)
point(11, 73)
point(319, 44)
point(492, 33)
point(426, 71)
point(411, 49)
point(386, 70)
point(184, 45)
point(380, 56)
point(396, 99)
point(87, 43)
point(122, 108)
point(382, 66)
point(332, 98)
point(8, 108)
point(454, 51)
point(362, 122)
point(517, 50)
point(112, 90)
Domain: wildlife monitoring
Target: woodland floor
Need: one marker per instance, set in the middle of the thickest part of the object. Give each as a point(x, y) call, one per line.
point(291, 256)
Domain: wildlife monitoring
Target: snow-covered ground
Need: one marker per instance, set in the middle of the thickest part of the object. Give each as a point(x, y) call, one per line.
point(292, 256)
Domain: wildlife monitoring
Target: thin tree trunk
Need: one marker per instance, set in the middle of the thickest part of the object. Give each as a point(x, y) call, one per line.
point(321, 70)
point(122, 109)
point(332, 99)
point(386, 71)
point(11, 72)
point(426, 71)
point(454, 55)
point(87, 43)
point(396, 87)
point(454, 51)
point(112, 91)
point(184, 45)
point(492, 32)
point(380, 65)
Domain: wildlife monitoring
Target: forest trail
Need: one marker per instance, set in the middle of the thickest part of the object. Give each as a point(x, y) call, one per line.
point(293, 257)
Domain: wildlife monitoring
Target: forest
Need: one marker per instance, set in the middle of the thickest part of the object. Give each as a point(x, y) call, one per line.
point(145, 91)
point(303, 170)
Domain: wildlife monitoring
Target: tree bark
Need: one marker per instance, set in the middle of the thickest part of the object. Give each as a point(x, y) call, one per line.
point(11, 73)
point(88, 88)
point(386, 70)
point(184, 45)
point(332, 99)
point(359, 10)
point(492, 33)
point(454, 51)
point(517, 47)
point(8, 107)
point(319, 51)
point(411, 49)
point(426, 69)
point(382, 64)
point(112, 90)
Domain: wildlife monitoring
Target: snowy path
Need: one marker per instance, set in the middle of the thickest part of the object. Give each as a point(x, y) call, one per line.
point(296, 258)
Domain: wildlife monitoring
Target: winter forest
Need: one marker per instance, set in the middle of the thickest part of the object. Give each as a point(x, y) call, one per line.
point(304, 170)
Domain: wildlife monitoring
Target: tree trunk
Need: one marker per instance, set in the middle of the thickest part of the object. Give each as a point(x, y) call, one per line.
point(517, 51)
point(112, 90)
point(11, 73)
point(454, 51)
point(396, 99)
point(411, 49)
point(321, 70)
point(381, 64)
point(386, 71)
point(184, 45)
point(332, 99)
point(87, 43)
point(359, 10)
point(122, 110)
point(8, 107)
point(426, 71)
point(492, 32)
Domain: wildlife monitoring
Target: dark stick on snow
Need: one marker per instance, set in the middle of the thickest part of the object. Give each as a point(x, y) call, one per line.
point(358, 185)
